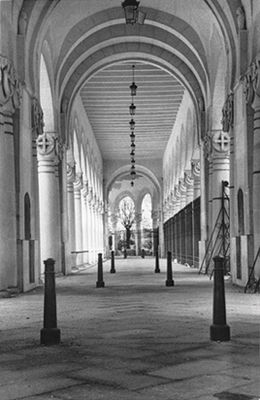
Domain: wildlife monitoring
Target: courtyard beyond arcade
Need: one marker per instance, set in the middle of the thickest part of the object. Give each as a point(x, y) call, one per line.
point(134, 339)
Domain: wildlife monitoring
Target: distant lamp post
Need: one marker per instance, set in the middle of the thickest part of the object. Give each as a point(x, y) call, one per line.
point(131, 11)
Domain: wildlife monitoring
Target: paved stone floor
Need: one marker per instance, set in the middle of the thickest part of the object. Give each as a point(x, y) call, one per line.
point(135, 339)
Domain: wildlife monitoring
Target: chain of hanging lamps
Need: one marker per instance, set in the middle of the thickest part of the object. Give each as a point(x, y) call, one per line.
point(132, 109)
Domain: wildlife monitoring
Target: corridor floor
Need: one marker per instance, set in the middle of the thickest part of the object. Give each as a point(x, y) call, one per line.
point(135, 339)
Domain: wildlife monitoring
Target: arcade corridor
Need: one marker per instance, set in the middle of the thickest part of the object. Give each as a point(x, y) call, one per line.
point(135, 339)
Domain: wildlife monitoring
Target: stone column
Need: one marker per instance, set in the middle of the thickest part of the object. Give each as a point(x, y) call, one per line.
point(49, 239)
point(195, 171)
point(10, 92)
point(161, 234)
point(252, 94)
point(155, 230)
point(220, 172)
point(138, 220)
point(114, 220)
point(78, 216)
point(71, 214)
point(84, 193)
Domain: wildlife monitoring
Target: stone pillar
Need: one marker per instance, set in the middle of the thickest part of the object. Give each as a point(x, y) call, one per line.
point(195, 172)
point(138, 220)
point(155, 231)
point(49, 238)
point(90, 226)
point(10, 92)
point(71, 214)
point(205, 149)
point(252, 93)
point(220, 172)
point(161, 234)
point(114, 220)
point(189, 186)
point(84, 193)
point(78, 216)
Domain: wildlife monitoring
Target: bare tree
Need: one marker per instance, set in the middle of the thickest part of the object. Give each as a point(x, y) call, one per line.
point(127, 217)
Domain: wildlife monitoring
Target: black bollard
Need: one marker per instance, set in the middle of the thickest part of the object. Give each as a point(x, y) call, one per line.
point(50, 334)
point(100, 282)
point(219, 330)
point(112, 270)
point(169, 281)
point(157, 268)
point(125, 253)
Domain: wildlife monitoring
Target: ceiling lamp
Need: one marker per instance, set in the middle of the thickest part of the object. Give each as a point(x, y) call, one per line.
point(132, 124)
point(132, 136)
point(132, 153)
point(131, 11)
point(132, 109)
point(133, 87)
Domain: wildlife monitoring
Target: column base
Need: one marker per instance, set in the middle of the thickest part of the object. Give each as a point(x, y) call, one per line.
point(50, 336)
point(220, 333)
point(112, 271)
point(100, 284)
point(157, 270)
point(169, 282)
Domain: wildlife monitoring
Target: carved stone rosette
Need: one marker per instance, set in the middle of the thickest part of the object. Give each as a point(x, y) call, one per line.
point(10, 87)
point(45, 144)
point(228, 113)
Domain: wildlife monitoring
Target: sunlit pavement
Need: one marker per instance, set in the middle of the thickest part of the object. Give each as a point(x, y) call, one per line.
point(134, 339)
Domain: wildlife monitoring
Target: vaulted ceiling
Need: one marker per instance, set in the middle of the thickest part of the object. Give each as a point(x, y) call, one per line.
point(106, 98)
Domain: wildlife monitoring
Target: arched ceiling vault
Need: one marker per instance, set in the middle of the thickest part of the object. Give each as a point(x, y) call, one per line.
point(90, 44)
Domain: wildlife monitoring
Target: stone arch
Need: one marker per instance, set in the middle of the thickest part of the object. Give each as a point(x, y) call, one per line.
point(46, 98)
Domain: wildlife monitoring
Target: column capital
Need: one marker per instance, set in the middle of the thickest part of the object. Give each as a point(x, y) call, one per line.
point(78, 181)
point(228, 113)
point(195, 168)
point(217, 144)
point(71, 173)
point(10, 87)
point(46, 145)
point(188, 179)
point(251, 81)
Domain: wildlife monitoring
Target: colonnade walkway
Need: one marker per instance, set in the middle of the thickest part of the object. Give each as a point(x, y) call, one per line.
point(134, 339)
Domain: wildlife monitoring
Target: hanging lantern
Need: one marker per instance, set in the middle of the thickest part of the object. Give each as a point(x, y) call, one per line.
point(131, 11)
point(132, 124)
point(132, 145)
point(132, 173)
point(132, 154)
point(132, 161)
point(132, 183)
point(132, 109)
point(132, 136)
point(133, 88)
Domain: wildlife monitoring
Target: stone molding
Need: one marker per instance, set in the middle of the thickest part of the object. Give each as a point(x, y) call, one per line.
point(71, 172)
point(78, 184)
point(49, 144)
point(216, 143)
point(195, 168)
point(45, 144)
point(10, 87)
point(228, 113)
point(188, 179)
point(251, 81)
